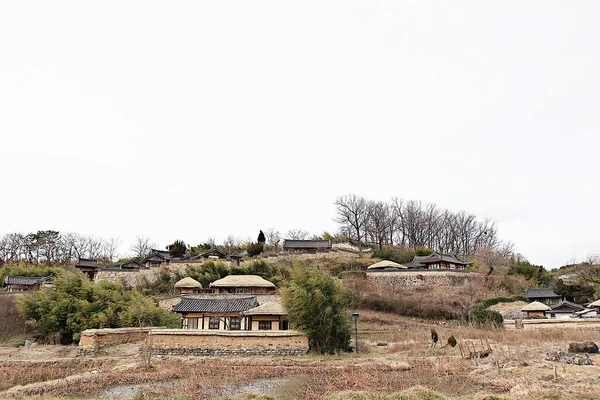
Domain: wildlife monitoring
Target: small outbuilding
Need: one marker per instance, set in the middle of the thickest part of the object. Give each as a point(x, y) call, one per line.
point(386, 265)
point(188, 285)
point(536, 309)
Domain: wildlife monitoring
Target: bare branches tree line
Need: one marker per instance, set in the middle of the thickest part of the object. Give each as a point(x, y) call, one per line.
point(53, 248)
point(414, 224)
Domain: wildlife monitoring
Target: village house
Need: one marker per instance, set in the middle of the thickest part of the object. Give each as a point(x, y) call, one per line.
point(210, 254)
point(543, 295)
point(535, 310)
point(25, 283)
point(564, 309)
point(230, 313)
point(437, 261)
point(188, 286)
point(156, 258)
point(130, 265)
point(306, 246)
point(249, 284)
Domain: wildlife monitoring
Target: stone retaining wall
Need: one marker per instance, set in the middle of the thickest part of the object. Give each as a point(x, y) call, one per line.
point(221, 343)
point(404, 279)
point(561, 324)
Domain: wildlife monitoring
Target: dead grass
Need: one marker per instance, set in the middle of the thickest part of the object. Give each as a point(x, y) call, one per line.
point(516, 369)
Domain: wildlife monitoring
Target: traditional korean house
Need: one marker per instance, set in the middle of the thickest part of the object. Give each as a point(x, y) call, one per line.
point(564, 309)
point(25, 283)
point(306, 246)
point(188, 286)
point(535, 309)
point(251, 284)
point(130, 265)
point(212, 254)
point(437, 261)
point(156, 258)
point(215, 313)
point(543, 295)
point(89, 266)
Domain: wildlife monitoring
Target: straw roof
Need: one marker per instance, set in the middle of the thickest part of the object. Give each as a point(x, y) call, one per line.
point(536, 306)
point(242, 281)
point(268, 308)
point(386, 264)
point(188, 283)
point(594, 304)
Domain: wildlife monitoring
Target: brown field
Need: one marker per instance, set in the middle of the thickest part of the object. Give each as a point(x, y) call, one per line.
point(396, 361)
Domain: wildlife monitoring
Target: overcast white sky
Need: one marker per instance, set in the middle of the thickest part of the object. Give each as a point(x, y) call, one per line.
point(197, 119)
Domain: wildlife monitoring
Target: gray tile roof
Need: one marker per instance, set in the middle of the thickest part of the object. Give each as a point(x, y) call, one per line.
point(87, 262)
point(422, 261)
point(188, 304)
point(567, 304)
point(536, 293)
point(306, 244)
point(26, 280)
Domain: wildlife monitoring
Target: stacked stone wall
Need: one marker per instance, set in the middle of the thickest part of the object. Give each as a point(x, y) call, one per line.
point(407, 279)
point(221, 343)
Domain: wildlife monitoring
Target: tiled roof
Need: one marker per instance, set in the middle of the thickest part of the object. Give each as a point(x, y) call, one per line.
point(26, 280)
point(188, 304)
point(307, 244)
point(536, 293)
point(208, 253)
point(87, 262)
point(567, 304)
point(437, 257)
point(161, 253)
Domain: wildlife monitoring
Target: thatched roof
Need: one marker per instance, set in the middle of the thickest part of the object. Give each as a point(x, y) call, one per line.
point(536, 306)
point(386, 264)
point(242, 281)
point(188, 283)
point(595, 304)
point(268, 308)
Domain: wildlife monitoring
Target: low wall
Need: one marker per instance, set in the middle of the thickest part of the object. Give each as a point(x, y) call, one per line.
point(94, 339)
point(404, 279)
point(219, 343)
point(535, 324)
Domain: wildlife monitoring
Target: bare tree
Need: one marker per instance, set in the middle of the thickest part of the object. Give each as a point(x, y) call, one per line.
point(296, 234)
point(352, 211)
point(273, 236)
point(141, 246)
point(110, 248)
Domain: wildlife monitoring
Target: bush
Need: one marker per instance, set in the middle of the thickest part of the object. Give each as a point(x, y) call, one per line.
point(74, 303)
point(24, 270)
point(484, 317)
point(401, 255)
point(317, 305)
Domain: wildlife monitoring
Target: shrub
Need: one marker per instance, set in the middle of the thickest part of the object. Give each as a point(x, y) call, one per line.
point(401, 255)
point(74, 303)
point(317, 305)
point(24, 270)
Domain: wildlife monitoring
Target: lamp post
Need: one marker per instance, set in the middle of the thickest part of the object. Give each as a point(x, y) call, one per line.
point(355, 317)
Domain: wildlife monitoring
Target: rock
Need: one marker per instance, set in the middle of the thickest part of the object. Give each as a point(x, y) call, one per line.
point(583, 347)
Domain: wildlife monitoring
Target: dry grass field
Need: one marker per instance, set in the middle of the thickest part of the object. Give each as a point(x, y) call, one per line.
point(396, 362)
